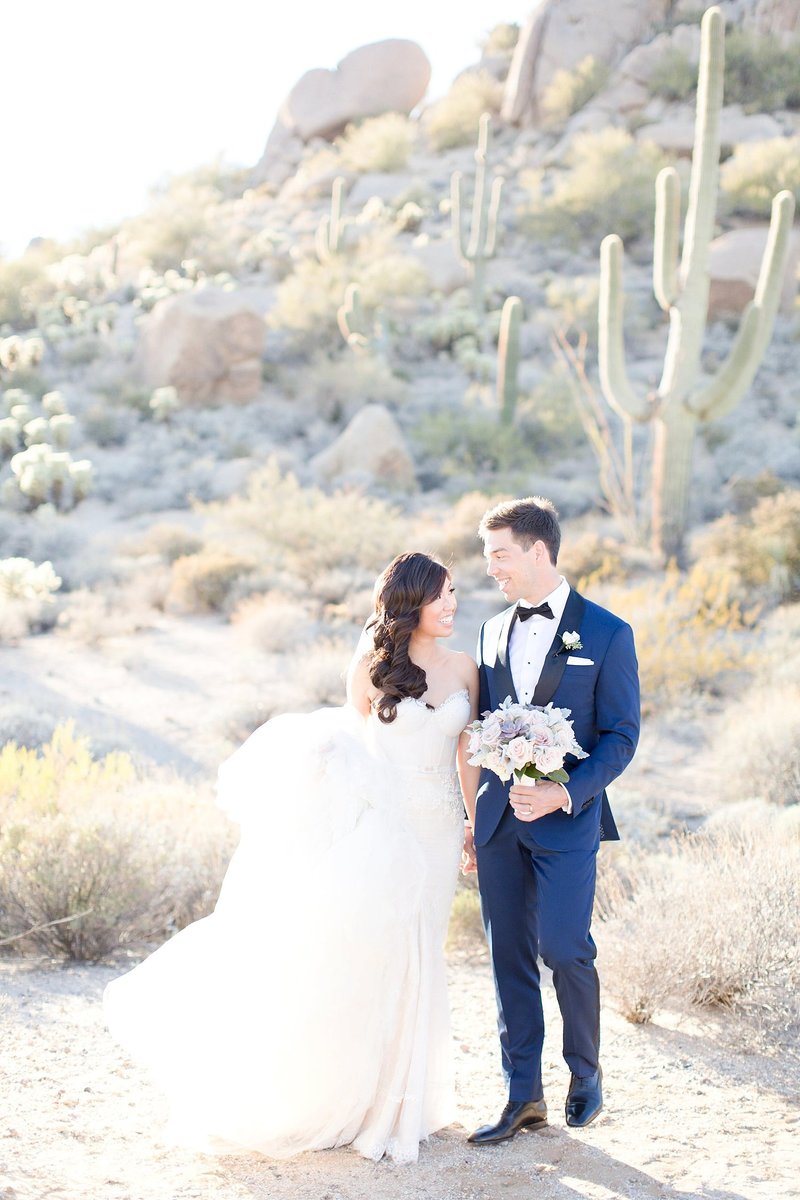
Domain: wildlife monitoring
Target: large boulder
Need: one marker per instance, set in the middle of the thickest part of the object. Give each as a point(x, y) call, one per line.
point(388, 76)
point(207, 344)
point(734, 265)
point(559, 34)
point(781, 17)
point(371, 448)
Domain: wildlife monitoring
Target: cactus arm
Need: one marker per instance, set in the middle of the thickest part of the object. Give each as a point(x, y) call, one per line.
point(611, 348)
point(733, 379)
point(491, 220)
point(508, 358)
point(328, 239)
point(456, 215)
point(665, 250)
point(704, 177)
point(350, 317)
point(477, 239)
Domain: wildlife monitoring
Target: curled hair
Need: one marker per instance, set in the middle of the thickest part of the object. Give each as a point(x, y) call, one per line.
point(409, 582)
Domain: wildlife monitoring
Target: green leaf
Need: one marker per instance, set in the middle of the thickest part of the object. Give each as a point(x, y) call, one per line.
point(559, 776)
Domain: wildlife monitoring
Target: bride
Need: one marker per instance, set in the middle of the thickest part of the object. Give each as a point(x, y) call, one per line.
point(310, 1009)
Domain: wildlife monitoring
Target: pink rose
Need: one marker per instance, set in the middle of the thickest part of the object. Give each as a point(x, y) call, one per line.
point(519, 751)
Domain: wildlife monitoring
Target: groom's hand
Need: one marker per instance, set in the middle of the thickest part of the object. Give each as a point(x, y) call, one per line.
point(530, 803)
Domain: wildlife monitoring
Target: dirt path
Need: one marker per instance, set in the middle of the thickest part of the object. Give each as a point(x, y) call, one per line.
point(684, 1118)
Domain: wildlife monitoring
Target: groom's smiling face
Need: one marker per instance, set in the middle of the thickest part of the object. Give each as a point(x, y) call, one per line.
point(519, 573)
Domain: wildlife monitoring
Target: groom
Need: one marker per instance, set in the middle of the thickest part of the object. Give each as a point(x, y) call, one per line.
point(536, 847)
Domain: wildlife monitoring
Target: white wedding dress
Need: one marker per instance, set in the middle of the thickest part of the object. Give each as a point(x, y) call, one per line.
point(310, 1009)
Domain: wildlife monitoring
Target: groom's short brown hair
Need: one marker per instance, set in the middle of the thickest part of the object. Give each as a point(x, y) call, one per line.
point(533, 519)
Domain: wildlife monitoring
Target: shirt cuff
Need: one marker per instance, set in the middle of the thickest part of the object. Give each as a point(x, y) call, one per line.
point(567, 808)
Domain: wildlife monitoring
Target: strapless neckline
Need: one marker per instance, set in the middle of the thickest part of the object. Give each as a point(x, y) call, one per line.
point(437, 707)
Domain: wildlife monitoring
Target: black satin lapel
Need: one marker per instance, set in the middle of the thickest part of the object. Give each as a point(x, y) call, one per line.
point(505, 681)
point(555, 663)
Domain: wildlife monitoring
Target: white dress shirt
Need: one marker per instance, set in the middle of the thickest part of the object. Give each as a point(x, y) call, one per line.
point(528, 645)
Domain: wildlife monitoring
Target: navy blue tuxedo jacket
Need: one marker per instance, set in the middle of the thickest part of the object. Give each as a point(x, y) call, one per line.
point(604, 709)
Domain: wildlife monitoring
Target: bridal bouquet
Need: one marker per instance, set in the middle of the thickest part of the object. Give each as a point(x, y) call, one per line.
point(525, 741)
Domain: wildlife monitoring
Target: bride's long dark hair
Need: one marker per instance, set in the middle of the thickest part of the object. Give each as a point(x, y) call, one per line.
point(409, 582)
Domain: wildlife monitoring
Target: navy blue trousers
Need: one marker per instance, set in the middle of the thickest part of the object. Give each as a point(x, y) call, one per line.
point(537, 903)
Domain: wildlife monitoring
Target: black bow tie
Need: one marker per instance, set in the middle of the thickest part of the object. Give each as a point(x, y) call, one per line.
point(541, 610)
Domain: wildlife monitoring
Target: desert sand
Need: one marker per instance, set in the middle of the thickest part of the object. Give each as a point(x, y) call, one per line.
point(684, 1117)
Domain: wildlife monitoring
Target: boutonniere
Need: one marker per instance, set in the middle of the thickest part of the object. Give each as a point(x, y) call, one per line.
point(569, 642)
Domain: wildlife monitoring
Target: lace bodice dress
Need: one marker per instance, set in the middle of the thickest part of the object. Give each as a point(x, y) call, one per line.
point(310, 1009)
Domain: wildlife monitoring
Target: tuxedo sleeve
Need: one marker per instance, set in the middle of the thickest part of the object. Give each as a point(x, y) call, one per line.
point(616, 722)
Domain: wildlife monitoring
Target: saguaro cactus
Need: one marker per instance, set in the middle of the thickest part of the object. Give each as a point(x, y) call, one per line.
point(475, 250)
point(330, 231)
point(508, 359)
point(684, 397)
point(358, 331)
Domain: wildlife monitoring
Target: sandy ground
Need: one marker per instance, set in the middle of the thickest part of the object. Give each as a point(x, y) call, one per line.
point(683, 1118)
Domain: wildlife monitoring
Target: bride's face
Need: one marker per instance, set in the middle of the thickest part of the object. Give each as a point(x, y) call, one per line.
point(436, 618)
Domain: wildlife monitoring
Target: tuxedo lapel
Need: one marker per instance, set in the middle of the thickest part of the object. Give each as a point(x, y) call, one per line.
point(555, 662)
point(505, 681)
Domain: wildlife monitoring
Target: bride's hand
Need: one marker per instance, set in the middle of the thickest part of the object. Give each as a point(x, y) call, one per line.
point(469, 862)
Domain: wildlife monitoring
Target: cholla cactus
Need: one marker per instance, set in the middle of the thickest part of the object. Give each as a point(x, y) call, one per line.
point(60, 429)
point(481, 245)
point(14, 396)
point(21, 413)
point(54, 403)
point(21, 579)
point(10, 435)
point(163, 403)
point(44, 475)
point(11, 355)
point(37, 430)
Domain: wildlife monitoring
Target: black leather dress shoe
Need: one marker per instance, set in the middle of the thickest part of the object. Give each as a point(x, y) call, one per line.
point(517, 1114)
point(584, 1099)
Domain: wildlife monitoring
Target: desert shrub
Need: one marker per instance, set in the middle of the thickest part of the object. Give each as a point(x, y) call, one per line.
point(762, 546)
point(321, 667)
point(675, 75)
point(757, 745)
point(26, 594)
point(454, 533)
point(339, 386)
point(274, 622)
point(574, 301)
point(202, 582)
point(453, 120)
point(590, 558)
point(570, 90)
point(107, 425)
point(185, 221)
point(378, 144)
point(711, 921)
point(465, 930)
point(297, 534)
point(26, 725)
point(761, 72)
point(607, 186)
point(474, 445)
point(690, 630)
point(501, 39)
point(92, 858)
point(443, 330)
point(753, 174)
point(24, 286)
point(164, 540)
point(92, 617)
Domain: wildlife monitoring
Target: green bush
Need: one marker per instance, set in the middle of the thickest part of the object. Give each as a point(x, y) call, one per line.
point(378, 144)
point(753, 174)
point(453, 120)
point(761, 72)
point(608, 186)
point(570, 90)
point(675, 76)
